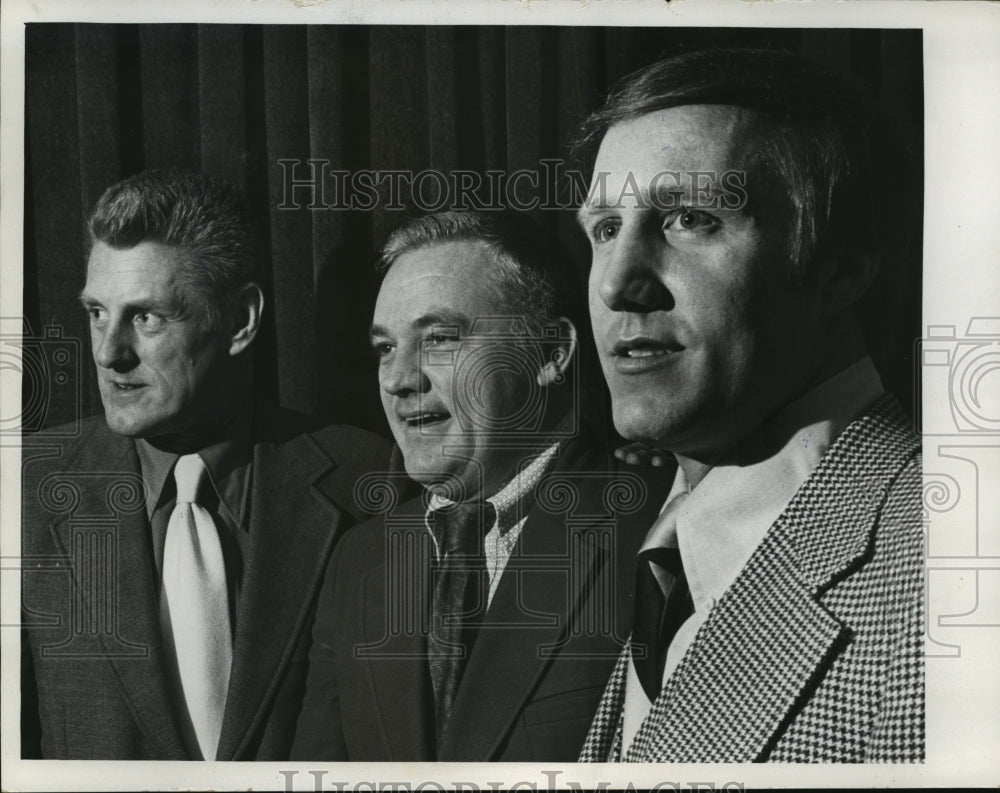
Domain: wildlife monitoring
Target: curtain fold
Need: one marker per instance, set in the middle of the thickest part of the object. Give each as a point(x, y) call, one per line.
point(257, 104)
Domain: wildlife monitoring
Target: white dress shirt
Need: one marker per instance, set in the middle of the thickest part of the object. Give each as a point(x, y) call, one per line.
point(725, 518)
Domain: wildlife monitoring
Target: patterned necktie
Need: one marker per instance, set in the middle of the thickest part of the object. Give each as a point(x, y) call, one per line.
point(458, 597)
point(194, 606)
point(663, 603)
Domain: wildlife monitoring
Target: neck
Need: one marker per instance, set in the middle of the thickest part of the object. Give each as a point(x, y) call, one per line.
point(206, 430)
point(845, 345)
point(694, 470)
point(554, 428)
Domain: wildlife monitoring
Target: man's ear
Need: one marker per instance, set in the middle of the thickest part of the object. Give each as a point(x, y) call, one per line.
point(848, 276)
point(246, 318)
point(558, 360)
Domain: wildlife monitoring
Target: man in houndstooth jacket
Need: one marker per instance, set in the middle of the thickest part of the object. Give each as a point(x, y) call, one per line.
point(737, 235)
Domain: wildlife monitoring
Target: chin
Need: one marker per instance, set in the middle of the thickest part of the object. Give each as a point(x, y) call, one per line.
point(451, 486)
point(455, 485)
point(640, 419)
point(136, 425)
point(426, 470)
point(126, 425)
point(422, 476)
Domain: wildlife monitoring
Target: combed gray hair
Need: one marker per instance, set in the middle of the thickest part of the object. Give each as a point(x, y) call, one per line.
point(202, 216)
point(533, 277)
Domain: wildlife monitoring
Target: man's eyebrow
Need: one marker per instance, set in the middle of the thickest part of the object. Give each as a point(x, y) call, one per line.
point(442, 316)
point(668, 196)
point(437, 316)
point(168, 306)
point(676, 196)
point(591, 209)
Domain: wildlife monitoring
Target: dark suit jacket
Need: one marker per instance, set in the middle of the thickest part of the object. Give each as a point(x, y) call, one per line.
point(93, 680)
point(815, 653)
point(542, 657)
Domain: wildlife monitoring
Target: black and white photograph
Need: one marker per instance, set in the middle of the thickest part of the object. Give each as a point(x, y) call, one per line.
point(536, 396)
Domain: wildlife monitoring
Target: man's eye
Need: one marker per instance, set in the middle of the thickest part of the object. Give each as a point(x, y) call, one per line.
point(605, 230)
point(381, 349)
point(440, 335)
point(691, 220)
point(148, 321)
point(96, 314)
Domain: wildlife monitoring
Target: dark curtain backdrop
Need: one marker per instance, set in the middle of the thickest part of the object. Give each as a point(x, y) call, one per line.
point(105, 101)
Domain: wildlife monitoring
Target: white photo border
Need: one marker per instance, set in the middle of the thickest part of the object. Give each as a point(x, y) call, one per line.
point(961, 312)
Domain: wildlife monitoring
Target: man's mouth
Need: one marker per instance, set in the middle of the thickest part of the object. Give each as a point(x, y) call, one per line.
point(639, 352)
point(641, 347)
point(123, 391)
point(425, 418)
point(639, 355)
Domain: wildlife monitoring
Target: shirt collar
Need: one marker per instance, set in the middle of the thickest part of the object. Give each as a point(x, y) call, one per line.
point(663, 534)
point(225, 459)
point(156, 466)
point(513, 501)
point(726, 516)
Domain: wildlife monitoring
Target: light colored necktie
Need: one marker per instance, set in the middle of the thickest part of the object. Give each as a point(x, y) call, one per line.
point(194, 606)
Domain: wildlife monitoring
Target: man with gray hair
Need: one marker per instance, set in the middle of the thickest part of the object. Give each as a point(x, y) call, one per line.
point(478, 621)
point(184, 632)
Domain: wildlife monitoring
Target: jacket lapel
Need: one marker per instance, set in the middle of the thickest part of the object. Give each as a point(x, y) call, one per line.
point(396, 646)
point(292, 529)
point(111, 493)
point(515, 643)
point(745, 671)
point(756, 659)
point(535, 604)
point(603, 741)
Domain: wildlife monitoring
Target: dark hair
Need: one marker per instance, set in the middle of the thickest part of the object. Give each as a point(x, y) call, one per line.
point(820, 154)
point(533, 276)
point(201, 215)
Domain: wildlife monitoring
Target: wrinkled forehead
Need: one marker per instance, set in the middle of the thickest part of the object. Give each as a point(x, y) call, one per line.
point(456, 275)
point(678, 150)
point(147, 265)
point(149, 275)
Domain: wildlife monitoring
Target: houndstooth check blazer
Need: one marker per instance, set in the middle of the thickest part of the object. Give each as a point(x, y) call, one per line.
point(815, 653)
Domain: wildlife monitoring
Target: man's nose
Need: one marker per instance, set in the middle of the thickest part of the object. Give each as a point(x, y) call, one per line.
point(403, 375)
point(631, 274)
point(114, 348)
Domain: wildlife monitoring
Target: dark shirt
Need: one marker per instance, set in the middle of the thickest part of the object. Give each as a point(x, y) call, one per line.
point(230, 466)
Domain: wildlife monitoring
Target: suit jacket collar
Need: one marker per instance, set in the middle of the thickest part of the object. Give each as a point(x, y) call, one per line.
point(103, 469)
point(507, 660)
point(394, 624)
point(734, 506)
point(511, 656)
point(293, 522)
point(505, 664)
point(771, 634)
